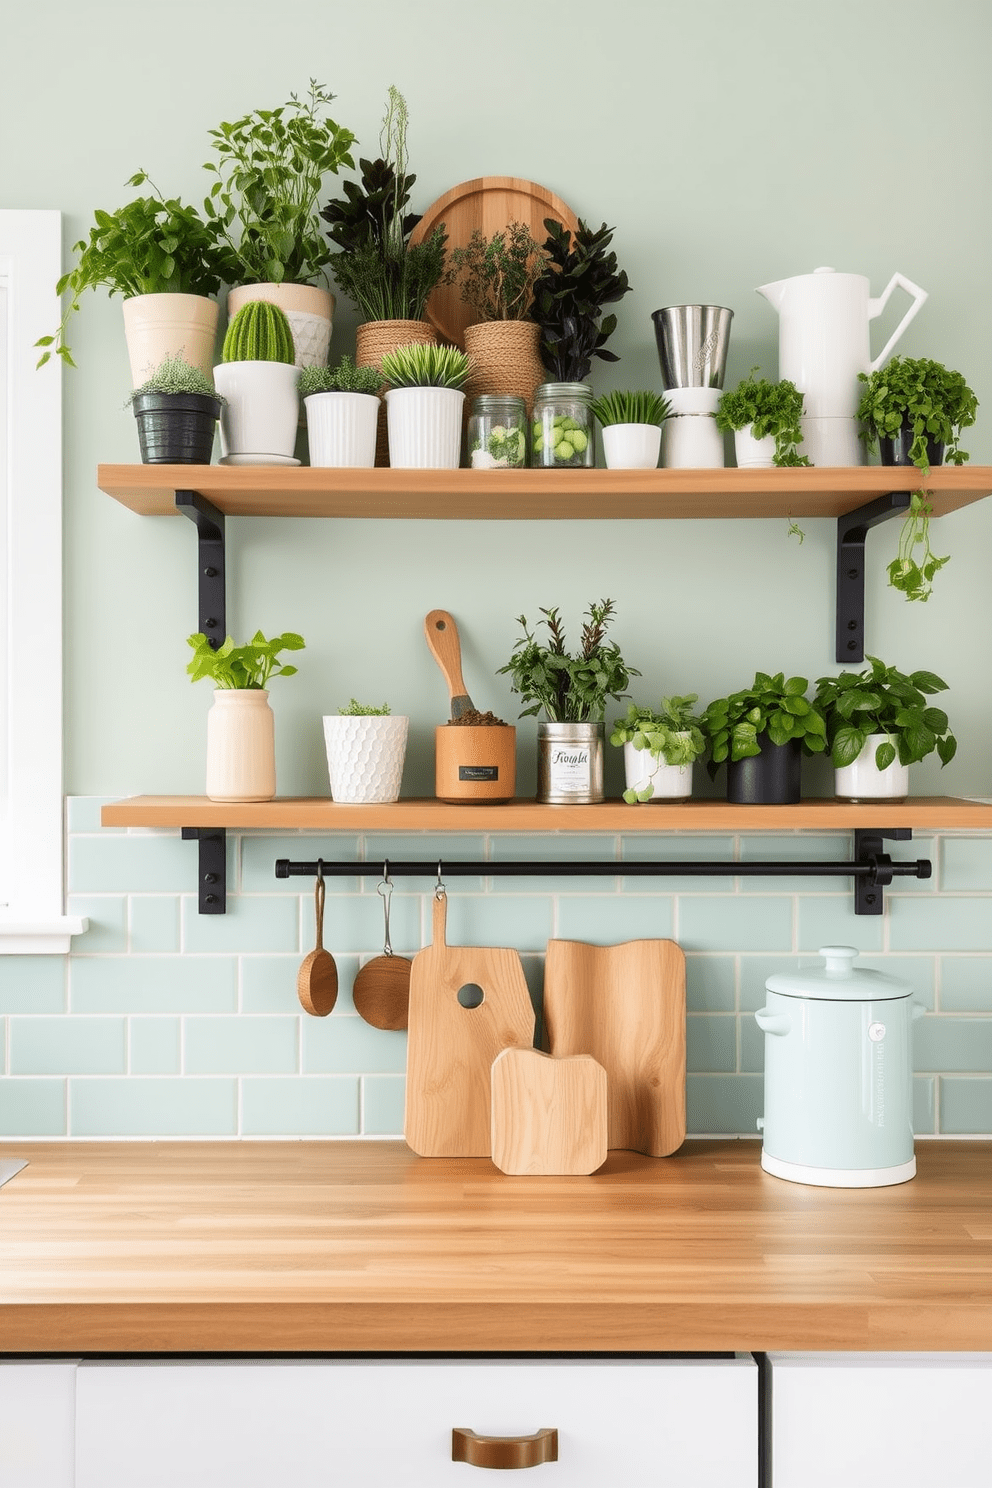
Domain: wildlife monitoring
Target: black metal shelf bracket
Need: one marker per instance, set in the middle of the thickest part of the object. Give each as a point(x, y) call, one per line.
point(868, 849)
point(852, 530)
point(211, 595)
point(211, 877)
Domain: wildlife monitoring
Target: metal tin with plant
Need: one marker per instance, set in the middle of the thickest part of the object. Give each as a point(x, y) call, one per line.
point(426, 366)
point(569, 688)
point(670, 735)
point(883, 700)
point(579, 277)
point(344, 378)
point(244, 667)
point(770, 408)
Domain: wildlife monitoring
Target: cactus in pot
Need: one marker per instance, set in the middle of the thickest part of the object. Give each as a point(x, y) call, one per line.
point(259, 380)
point(259, 332)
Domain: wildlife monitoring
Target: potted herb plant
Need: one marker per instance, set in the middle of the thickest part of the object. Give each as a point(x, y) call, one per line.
point(579, 277)
point(366, 748)
point(270, 171)
point(424, 405)
point(914, 409)
point(496, 277)
point(241, 761)
point(572, 691)
point(761, 734)
point(659, 748)
point(631, 425)
point(167, 263)
point(176, 411)
point(878, 724)
point(764, 417)
point(342, 408)
point(258, 378)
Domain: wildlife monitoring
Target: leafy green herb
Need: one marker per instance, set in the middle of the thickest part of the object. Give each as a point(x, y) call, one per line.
point(497, 274)
point(775, 706)
point(578, 279)
point(248, 666)
point(344, 378)
point(627, 407)
point(426, 366)
point(570, 689)
point(883, 700)
point(771, 408)
point(672, 735)
point(363, 710)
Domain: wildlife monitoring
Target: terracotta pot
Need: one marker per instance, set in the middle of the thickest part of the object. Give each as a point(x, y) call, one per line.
point(309, 309)
point(157, 326)
point(505, 359)
point(373, 339)
point(475, 763)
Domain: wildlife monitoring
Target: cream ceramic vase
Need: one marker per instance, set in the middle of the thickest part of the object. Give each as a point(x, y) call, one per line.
point(241, 749)
point(157, 326)
point(309, 310)
point(365, 756)
point(864, 781)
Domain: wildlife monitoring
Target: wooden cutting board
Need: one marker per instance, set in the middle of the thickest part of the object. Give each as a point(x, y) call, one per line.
point(451, 1047)
point(625, 1005)
point(548, 1115)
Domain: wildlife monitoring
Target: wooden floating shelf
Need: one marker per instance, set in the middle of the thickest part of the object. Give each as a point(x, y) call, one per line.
point(313, 813)
point(514, 495)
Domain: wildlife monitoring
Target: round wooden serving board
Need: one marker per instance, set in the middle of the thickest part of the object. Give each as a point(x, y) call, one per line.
point(489, 203)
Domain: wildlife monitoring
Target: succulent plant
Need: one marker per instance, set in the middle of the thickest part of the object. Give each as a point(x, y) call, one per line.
point(259, 332)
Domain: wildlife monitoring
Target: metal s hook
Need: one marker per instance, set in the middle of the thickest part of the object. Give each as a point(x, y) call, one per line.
point(439, 889)
point(384, 890)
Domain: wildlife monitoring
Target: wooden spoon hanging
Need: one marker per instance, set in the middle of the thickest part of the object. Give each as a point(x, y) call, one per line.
point(317, 978)
point(381, 992)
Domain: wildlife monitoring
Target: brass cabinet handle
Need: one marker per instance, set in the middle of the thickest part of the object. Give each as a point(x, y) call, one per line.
point(504, 1451)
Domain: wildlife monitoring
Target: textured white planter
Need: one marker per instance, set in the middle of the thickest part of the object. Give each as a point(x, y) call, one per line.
point(753, 453)
point(864, 781)
point(341, 428)
point(425, 428)
point(241, 746)
point(262, 412)
point(309, 310)
point(631, 446)
point(365, 757)
point(670, 782)
point(157, 326)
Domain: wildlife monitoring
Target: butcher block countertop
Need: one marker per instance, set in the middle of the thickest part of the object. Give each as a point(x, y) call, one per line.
point(300, 1247)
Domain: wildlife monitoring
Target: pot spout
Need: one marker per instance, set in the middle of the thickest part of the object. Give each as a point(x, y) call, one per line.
point(774, 293)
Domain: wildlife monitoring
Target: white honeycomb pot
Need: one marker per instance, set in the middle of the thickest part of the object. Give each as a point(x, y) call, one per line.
point(365, 757)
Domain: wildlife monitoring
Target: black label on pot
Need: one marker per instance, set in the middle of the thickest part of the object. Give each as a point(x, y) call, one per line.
point(478, 772)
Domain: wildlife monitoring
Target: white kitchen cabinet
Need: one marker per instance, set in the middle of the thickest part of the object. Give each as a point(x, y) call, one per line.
point(684, 1423)
point(37, 1422)
point(881, 1420)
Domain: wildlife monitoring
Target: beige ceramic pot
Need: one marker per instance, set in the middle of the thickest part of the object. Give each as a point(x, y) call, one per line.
point(309, 310)
point(157, 326)
point(241, 747)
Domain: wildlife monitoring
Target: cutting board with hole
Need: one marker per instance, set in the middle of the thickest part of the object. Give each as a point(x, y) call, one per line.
point(467, 1003)
point(625, 1005)
point(548, 1115)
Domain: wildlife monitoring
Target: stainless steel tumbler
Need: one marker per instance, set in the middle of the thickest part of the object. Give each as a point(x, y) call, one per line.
point(692, 344)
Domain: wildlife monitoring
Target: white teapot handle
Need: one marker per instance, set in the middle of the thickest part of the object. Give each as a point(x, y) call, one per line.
point(769, 1022)
point(875, 307)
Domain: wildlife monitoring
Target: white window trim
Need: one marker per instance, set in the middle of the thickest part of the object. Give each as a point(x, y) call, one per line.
point(32, 918)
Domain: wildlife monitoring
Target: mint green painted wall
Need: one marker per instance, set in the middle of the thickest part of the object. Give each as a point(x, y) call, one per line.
point(729, 145)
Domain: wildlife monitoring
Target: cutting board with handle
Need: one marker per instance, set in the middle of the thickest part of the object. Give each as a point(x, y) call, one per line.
point(451, 1043)
point(625, 1005)
point(548, 1115)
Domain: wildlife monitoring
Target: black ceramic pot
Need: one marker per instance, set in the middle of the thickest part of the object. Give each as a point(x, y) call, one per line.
point(176, 428)
point(896, 451)
point(771, 778)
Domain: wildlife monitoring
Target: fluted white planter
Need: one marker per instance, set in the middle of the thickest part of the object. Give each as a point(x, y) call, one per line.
point(751, 453)
point(631, 446)
point(864, 781)
point(341, 429)
point(157, 326)
point(241, 746)
point(669, 782)
point(365, 757)
point(259, 420)
point(425, 428)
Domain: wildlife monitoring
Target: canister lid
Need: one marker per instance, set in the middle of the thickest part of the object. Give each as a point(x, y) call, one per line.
point(839, 980)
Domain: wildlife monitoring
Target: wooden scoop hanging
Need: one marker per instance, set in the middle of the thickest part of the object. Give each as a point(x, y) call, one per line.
point(382, 988)
point(317, 978)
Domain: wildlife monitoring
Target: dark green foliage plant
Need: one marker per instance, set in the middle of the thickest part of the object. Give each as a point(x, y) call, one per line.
point(153, 245)
point(883, 700)
point(496, 275)
point(269, 175)
point(344, 378)
point(426, 366)
point(259, 332)
point(775, 706)
point(248, 666)
point(771, 408)
point(672, 735)
point(625, 407)
point(570, 689)
point(579, 277)
point(175, 375)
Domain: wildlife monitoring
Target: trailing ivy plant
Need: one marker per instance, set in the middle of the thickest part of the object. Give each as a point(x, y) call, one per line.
point(672, 735)
point(770, 408)
point(774, 706)
point(932, 403)
point(496, 275)
point(883, 700)
point(248, 666)
point(570, 689)
point(579, 277)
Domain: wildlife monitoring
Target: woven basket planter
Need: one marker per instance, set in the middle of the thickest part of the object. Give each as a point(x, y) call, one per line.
point(373, 339)
point(505, 359)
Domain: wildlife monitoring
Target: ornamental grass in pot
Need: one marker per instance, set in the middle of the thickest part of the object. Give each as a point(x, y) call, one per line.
point(424, 406)
point(241, 759)
point(659, 749)
point(176, 412)
point(631, 428)
point(342, 408)
point(761, 734)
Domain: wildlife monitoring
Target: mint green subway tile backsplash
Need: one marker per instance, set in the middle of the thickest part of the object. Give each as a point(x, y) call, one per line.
point(165, 1023)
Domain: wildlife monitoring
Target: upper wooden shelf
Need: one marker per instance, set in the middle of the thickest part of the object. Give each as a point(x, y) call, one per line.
point(278, 491)
point(428, 815)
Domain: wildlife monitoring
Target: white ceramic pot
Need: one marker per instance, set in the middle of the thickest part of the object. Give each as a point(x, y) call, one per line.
point(309, 310)
point(425, 428)
point(631, 446)
point(157, 326)
point(751, 453)
point(668, 782)
point(262, 411)
point(341, 428)
point(690, 438)
point(832, 441)
point(241, 747)
point(864, 781)
point(365, 757)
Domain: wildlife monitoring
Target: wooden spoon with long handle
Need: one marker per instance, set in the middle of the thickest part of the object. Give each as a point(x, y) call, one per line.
point(317, 978)
point(442, 637)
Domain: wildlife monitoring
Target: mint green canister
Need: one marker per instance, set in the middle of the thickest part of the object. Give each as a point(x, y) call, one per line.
point(838, 1075)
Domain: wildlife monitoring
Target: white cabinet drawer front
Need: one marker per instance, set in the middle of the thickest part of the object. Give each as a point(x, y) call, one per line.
point(379, 1424)
point(874, 1420)
point(37, 1418)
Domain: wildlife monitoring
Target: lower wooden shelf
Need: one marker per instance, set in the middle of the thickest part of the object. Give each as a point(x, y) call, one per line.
point(314, 813)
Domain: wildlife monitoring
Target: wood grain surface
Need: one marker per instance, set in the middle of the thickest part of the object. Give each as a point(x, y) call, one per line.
point(625, 1005)
point(548, 1115)
point(361, 1246)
